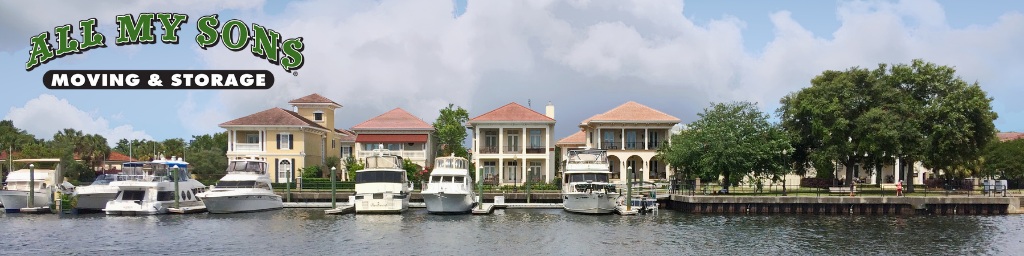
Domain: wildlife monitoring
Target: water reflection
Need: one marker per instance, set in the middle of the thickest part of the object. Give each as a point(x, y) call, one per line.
point(511, 231)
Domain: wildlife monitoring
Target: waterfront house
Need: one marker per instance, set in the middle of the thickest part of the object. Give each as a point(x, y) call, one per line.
point(347, 145)
point(513, 142)
point(399, 132)
point(631, 133)
point(289, 139)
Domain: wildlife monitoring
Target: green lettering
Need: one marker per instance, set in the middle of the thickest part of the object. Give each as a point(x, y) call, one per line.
point(207, 27)
point(131, 31)
point(264, 43)
point(293, 50)
point(41, 52)
point(92, 38)
point(170, 26)
point(65, 44)
point(228, 35)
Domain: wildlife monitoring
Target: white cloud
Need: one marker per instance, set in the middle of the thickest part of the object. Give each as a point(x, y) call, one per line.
point(200, 120)
point(46, 115)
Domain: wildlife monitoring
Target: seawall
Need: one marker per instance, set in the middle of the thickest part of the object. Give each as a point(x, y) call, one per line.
point(845, 205)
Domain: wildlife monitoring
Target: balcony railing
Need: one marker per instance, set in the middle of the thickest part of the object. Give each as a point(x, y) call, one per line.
point(411, 154)
point(654, 145)
point(634, 145)
point(610, 145)
point(247, 147)
point(489, 150)
point(534, 150)
point(512, 149)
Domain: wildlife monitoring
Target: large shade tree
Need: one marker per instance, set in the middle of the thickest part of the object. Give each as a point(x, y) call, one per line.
point(730, 140)
point(451, 132)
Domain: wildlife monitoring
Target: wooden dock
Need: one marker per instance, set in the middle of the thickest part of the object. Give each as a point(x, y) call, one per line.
point(484, 209)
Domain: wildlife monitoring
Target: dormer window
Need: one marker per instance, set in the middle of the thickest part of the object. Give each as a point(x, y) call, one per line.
point(318, 116)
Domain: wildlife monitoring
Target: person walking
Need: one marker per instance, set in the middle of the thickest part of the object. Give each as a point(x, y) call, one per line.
point(899, 188)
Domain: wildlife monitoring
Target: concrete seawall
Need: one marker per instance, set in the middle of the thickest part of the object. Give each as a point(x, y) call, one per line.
point(488, 197)
point(845, 205)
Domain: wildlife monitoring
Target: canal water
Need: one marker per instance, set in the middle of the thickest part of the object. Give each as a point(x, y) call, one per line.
point(509, 232)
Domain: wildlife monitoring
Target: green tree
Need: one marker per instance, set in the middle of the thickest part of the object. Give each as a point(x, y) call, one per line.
point(12, 140)
point(1004, 160)
point(451, 131)
point(173, 147)
point(209, 165)
point(412, 170)
point(351, 166)
point(332, 162)
point(314, 171)
point(730, 140)
point(217, 141)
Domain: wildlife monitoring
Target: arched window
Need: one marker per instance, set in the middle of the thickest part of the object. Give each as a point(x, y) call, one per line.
point(284, 171)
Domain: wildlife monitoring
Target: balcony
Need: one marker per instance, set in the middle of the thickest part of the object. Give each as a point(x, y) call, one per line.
point(634, 145)
point(535, 150)
point(512, 150)
point(610, 145)
point(248, 147)
point(489, 150)
point(411, 154)
point(655, 145)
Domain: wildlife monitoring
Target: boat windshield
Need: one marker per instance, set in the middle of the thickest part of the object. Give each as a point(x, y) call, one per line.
point(380, 176)
point(591, 177)
point(447, 179)
point(104, 179)
point(247, 166)
point(236, 184)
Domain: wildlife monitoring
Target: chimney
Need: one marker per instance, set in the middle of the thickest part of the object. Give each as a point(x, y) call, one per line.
point(550, 110)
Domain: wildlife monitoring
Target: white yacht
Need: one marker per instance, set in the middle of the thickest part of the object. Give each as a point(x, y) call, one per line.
point(382, 187)
point(585, 187)
point(46, 180)
point(246, 188)
point(148, 188)
point(450, 189)
point(96, 195)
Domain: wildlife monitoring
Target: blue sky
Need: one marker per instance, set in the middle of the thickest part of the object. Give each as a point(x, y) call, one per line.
point(585, 57)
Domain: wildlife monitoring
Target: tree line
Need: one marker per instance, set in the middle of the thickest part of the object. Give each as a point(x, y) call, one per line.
point(917, 112)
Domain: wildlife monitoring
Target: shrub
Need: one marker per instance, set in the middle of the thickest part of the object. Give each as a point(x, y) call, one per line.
point(312, 172)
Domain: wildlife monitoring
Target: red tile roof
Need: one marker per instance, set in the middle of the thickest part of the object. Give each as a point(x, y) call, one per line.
point(396, 119)
point(513, 112)
point(632, 111)
point(577, 138)
point(348, 136)
point(274, 116)
point(391, 138)
point(1007, 136)
point(118, 157)
point(3, 155)
point(314, 98)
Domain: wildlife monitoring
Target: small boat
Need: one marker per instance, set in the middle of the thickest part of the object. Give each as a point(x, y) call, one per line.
point(40, 182)
point(450, 189)
point(246, 188)
point(96, 195)
point(148, 188)
point(382, 187)
point(586, 188)
point(643, 200)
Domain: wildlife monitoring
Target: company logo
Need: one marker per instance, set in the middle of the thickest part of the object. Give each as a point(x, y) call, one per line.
point(235, 34)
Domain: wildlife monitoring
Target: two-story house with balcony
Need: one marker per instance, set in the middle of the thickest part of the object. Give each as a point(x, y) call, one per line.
point(632, 134)
point(513, 143)
point(289, 140)
point(399, 132)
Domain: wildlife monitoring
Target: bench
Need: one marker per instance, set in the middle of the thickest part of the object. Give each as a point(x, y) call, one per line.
point(840, 190)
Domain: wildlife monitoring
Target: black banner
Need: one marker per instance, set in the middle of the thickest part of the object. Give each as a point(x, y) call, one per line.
point(158, 79)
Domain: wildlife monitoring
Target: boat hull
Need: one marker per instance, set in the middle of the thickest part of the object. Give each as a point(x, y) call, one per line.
point(14, 200)
point(386, 205)
point(242, 203)
point(448, 202)
point(590, 203)
point(95, 201)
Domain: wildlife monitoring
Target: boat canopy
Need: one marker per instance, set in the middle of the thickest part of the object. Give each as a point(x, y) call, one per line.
point(153, 171)
point(246, 166)
point(587, 156)
point(22, 175)
point(450, 166)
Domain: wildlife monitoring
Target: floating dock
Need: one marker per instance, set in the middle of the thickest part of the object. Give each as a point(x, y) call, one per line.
point(342, 209)
point(308, 205)
point(483, 209)
point(187, 209)
point(35, 210)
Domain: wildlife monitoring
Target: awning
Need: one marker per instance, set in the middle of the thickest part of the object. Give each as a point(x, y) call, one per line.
point(391, 138)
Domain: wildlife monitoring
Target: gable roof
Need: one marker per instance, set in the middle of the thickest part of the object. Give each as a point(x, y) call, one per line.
point(314, 99)
point(1008, 136)
point(632, 112)
point(274, 116)
point(348, 136)
point(577, 138)
point(513, 112)
point(118, 157)
point(396, 119)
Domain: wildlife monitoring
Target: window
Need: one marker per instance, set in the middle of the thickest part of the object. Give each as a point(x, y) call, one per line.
point(652, 139)
point(513, 139)
point(252, 138)
point(380, 176)
point(535, 139)
point(491, 139)
point(631, 140)
point(346, 151)
point(395, 146)
point(371, 146)
point(285, 142)
point(165, 196)
point(318, 116)
point(511, 169)
point(332, 144)
point(129, 195)
point(490, 171)
point(592, 177)
point(236, 184)
point(284, 171)
point(460, 179)
point(534, 171)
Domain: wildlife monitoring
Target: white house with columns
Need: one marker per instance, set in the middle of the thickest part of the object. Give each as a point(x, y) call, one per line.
point(631, 133)
point(514, 143)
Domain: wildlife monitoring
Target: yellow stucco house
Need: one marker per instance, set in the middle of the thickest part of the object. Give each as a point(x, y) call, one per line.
point(289, 139)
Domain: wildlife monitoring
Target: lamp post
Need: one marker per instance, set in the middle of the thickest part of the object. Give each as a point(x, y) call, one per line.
point(334, 191)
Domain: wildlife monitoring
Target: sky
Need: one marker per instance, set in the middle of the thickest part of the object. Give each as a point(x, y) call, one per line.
point(583, 56)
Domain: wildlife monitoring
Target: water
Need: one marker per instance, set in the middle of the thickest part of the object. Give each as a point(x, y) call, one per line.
point(509, 232)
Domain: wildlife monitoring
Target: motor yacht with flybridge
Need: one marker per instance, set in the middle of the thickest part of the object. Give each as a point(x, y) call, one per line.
point(382, 187)
point(450, 189)
point(246, 188)
point(40, 180)
point(586, 188)
point(148, 188)
point(95, 196)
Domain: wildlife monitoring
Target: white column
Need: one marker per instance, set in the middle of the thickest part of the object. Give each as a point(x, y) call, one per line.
point(234, 137)
point(623, 136)
point(549, 169)
point(647, 138)
point(501, 170)
point(501, 141)
point(522, 140)
point(598, 139)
